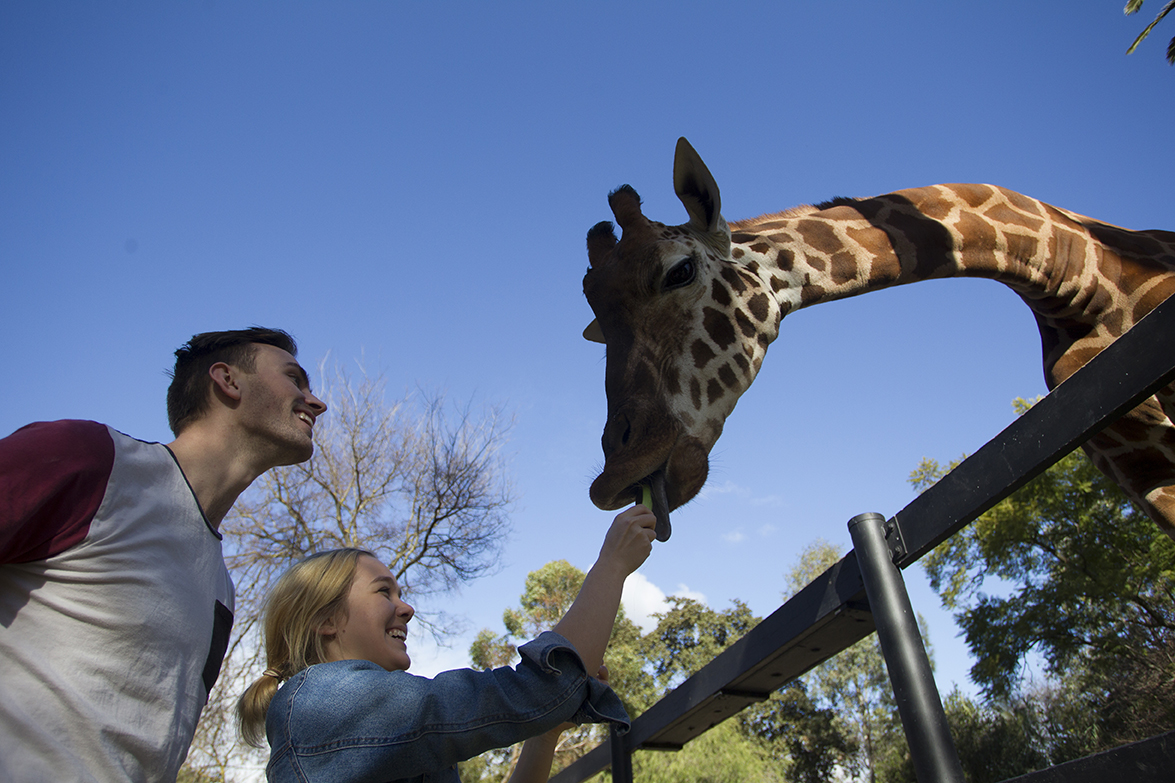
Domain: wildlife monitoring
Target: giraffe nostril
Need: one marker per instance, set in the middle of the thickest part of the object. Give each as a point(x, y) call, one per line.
point(617, 433)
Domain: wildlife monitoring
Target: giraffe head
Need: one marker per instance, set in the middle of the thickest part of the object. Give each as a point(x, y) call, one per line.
point(686, 327)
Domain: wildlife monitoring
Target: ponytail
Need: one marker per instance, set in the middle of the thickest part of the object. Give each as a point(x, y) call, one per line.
point(306, 596)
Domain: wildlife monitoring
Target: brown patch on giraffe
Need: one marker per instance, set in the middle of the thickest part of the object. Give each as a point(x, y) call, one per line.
point(819, 235)
point(1020, 246)
point(1067, 248)
point(1002, 213)
point(1023, 203)
point(760, 306)
point(932, 243)
point(978, 235)
point(727, 376)
point(972, 195)
point(719, 326)
point(785, 260)
point(673, 381)
point(760, 247)
point(742, 363)
point(778, 284)
point(695, 393)
point(843, 267)
point(1133, 243)
point(719, 293)
point(1152, 298)
point(702, 353)
point(643, 376)
point(714, 391)
point(744, 324)
point(1112, 321)
point(732, 277)
point(742, 238)
point(811, 292)
point(885, 266)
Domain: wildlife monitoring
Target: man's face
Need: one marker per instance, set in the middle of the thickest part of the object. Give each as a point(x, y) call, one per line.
point(277, 405)
point(375, 626)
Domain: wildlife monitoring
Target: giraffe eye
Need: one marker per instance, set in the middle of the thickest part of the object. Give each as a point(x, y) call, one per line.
point(681, 274)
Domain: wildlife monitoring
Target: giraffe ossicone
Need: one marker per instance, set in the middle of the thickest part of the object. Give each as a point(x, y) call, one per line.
point(687, 312)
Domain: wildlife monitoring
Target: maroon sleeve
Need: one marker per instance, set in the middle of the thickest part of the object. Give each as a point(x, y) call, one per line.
point(53, 477)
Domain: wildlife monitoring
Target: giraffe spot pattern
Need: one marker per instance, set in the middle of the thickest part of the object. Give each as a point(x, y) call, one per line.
point(1002, 213)
point(843, 267)
point(819, 236)
point(760, 306)
point(719, 293)
point(727, 376)
point(734, 279)
point(702, 353)
point(673, 381)
point(745, 324)
point(719, 326)
point(714, 391)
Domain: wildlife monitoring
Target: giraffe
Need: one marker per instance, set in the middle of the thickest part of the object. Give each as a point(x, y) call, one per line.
point(687, 312)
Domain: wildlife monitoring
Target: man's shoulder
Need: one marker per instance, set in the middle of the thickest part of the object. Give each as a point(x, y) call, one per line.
point(45, 440)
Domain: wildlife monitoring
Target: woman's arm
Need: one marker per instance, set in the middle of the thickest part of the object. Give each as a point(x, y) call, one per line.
point(534, 763)
point(588, 623)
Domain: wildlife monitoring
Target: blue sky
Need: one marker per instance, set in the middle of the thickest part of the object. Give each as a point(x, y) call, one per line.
point(411, 183)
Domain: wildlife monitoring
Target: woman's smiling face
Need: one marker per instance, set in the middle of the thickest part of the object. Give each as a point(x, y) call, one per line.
point(375, 624)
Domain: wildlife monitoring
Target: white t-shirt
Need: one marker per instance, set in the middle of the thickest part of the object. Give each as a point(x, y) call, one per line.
point(115, 607)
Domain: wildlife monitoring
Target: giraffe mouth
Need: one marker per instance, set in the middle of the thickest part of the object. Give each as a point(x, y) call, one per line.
point(659, 499)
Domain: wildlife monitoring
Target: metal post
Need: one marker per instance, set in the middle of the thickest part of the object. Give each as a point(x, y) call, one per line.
point(621, 758)
point(931, 746)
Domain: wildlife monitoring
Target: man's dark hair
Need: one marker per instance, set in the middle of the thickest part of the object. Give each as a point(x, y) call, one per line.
point(188, 395)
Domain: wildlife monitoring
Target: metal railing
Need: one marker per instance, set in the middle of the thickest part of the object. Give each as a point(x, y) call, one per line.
point(865, 592)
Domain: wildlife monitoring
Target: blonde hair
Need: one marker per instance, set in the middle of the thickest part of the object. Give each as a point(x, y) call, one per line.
point(306, 596)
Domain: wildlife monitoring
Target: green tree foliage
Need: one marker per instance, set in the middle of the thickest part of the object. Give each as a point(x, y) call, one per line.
point(724, 754)
point(689, 635)
point(1038, 728)
point(547, 595)
point(797, 732)
point(1087, 581)
point(1132, 7)
point(788, 737)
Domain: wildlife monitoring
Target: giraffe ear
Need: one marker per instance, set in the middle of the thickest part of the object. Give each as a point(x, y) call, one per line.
point(593, 333)
point(696, 188)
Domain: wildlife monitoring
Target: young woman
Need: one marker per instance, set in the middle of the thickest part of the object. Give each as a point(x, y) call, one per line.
point(335, 635)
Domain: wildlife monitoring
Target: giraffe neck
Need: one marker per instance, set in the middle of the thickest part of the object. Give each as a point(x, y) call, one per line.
point(1072, 271)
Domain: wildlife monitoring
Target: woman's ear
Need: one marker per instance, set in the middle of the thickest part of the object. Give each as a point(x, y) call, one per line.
point(328, 628)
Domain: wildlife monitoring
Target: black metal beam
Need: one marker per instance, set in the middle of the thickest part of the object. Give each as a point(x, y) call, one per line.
point(1132, 368)
point(821, 620)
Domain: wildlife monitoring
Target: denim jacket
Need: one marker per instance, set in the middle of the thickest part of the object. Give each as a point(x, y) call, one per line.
point(354, 721)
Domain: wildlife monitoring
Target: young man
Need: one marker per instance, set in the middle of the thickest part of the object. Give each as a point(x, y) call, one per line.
point(115, 603)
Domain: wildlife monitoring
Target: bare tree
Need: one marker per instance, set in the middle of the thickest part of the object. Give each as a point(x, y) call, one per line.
point(421, 484)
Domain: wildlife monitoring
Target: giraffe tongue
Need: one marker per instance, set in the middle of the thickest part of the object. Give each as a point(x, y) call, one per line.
point(660, 504)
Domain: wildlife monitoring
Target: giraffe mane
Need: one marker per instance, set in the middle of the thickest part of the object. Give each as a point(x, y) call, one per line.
point(794, 212)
